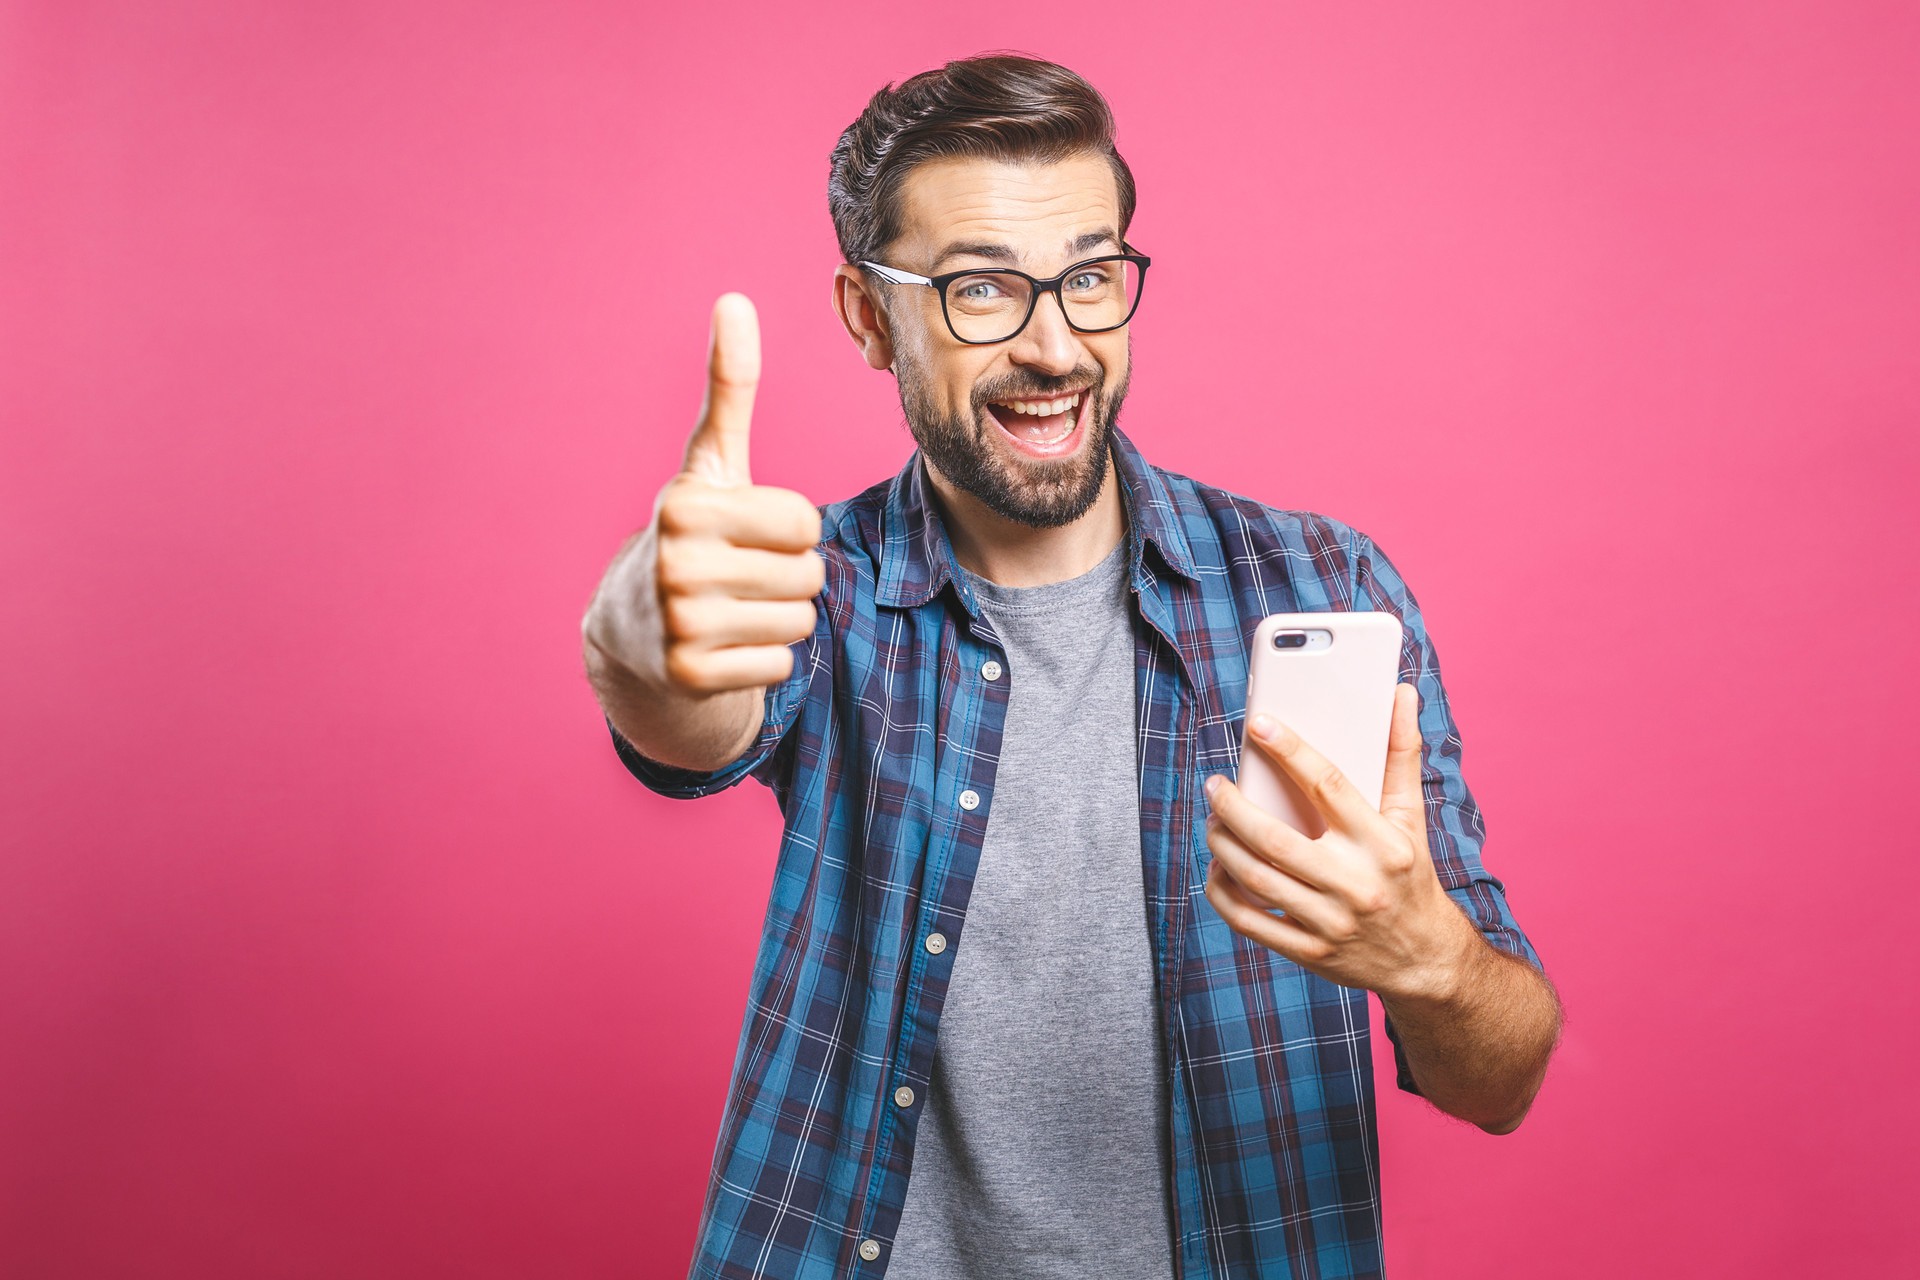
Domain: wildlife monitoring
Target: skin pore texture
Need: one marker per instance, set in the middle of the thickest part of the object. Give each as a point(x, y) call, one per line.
point(1012, 517)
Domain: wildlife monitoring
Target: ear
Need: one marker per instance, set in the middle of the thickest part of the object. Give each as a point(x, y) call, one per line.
point(858, 306)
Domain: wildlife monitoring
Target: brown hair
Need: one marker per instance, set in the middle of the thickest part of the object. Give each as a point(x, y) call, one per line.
point(1000, 106)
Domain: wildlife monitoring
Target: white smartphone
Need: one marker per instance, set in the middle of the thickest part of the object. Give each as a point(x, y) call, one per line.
point(1330, 678)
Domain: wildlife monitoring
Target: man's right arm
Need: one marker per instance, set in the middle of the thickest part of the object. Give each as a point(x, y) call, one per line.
point(693, 618)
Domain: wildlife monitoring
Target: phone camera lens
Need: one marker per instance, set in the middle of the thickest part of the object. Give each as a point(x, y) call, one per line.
point(1289, 639)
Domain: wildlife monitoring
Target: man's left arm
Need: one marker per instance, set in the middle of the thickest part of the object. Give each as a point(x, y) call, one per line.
point(1478, 1047)
point(1365, 908)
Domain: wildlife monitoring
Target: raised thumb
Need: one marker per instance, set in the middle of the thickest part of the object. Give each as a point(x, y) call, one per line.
point(717, 450)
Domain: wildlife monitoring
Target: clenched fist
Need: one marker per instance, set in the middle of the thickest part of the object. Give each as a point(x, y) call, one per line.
point(707, 598)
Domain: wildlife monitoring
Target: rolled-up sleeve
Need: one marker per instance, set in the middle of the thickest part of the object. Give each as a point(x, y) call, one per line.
point(1456, 833)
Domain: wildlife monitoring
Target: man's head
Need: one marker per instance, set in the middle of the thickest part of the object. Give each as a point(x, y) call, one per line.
point(992, 162)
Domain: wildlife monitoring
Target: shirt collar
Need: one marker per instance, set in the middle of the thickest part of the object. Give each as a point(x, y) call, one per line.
point(916, 557)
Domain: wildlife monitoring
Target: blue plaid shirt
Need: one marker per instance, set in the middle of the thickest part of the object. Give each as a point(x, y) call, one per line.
point(881, 749)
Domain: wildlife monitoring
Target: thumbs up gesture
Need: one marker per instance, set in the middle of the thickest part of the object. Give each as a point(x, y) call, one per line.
point(735, 564)
point(708, 597)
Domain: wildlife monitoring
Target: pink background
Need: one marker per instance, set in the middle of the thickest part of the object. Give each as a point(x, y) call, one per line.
point(340, 347)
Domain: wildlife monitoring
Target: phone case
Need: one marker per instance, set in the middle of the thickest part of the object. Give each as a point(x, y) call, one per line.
point(1339, 698)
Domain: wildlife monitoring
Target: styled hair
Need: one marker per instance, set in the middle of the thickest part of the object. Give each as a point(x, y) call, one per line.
point(998, 106)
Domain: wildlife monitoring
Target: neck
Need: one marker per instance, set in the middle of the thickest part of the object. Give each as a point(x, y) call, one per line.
point(1018, 555)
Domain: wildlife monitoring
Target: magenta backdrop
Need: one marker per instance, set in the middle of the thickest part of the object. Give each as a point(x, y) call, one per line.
point(341, 346)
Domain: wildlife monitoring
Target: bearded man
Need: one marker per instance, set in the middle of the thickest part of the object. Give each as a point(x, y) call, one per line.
point(1040, 991)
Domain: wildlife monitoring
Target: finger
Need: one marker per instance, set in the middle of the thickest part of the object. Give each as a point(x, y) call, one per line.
point(711, 567)
point(715, 622)
point(776, 520)
point(1403, 800)
point(1272, 888)
point(763, 516)
point(741, 667)
point(1270, 931)
point(1272, 838)
point(1337, 799)
point(717, 450)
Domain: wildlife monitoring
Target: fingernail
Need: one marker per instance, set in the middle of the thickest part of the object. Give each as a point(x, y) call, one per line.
point(1262, 726)
point(1213, 783)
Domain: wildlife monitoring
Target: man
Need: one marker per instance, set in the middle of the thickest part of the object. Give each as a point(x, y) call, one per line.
point(1022, 1005)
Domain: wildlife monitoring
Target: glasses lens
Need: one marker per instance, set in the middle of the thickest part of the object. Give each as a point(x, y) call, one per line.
point(1101, 295)
point(990, 306)
point(987, 306)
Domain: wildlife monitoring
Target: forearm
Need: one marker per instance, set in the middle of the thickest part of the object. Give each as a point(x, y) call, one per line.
point(1478, 1044)
point(690, 732)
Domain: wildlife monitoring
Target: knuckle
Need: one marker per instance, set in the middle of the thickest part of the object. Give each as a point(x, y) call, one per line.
point(1373, 901)
point(1329, 783)
point(681, 617)
point(685, 508)
point(1251, 884)
point(1265, 885)
point(686, 670)
point(673, 566)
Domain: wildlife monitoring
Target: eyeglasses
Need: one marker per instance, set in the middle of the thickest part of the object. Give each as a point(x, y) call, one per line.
point(987, 306)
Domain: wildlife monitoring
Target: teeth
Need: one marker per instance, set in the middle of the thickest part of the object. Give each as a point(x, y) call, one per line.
point(1043, 408)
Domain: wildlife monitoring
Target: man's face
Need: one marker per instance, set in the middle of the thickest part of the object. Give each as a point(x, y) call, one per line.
point(1040, 469)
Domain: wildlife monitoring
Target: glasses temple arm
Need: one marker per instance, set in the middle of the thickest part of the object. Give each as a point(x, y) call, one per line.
point(894, 275)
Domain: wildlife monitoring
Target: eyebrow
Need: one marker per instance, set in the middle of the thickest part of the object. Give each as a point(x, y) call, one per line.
point(1002, 253)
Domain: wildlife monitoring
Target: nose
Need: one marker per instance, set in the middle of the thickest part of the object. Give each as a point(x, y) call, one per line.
point(1048, 343)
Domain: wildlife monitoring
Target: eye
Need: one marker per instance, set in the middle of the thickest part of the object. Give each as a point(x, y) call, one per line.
point(978, 289)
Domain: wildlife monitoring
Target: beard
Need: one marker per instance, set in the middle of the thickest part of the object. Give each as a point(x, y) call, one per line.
point(1042, 493)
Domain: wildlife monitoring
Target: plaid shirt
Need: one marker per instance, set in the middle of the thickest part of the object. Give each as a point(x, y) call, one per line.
point(881, 749)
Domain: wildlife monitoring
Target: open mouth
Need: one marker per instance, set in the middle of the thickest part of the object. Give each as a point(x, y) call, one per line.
point(1044, 425)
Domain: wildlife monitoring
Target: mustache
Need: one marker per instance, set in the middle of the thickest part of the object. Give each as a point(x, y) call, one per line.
point(1044, 390)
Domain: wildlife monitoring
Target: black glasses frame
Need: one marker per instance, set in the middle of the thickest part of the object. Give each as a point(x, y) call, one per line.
point(894, 275)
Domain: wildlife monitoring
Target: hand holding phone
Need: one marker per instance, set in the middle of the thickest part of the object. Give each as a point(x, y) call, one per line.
point(1357, 902)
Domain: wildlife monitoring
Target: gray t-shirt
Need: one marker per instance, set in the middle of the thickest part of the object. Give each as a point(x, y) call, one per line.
point(1043, 1149)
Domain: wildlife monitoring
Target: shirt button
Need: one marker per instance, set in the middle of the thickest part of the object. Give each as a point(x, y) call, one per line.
point(969, 799)
point(936, 942)
point(990, 670)
point(903, 1097)
point(869, 1249)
